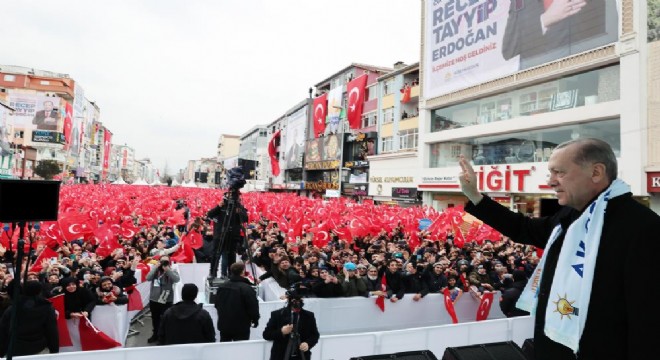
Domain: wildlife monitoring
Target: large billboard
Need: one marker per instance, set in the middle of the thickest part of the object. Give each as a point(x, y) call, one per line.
point(294, 139)
point(469, 42)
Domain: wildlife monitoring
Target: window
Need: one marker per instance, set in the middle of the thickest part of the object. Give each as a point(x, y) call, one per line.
point(387, 145)
point(388, 87)
point(524, 146)
point(408, 139)
point(372, 92)
point(584, 89)
point(369, 119)
point(388, 115)
point(9, 77)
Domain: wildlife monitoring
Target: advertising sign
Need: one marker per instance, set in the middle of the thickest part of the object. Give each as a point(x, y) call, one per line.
point(469, 42)
point(294, 139)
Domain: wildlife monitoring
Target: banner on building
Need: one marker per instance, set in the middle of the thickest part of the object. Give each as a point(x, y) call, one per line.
point(469, 42)
point(334, 109)
point(107, 145)
point(294, 139)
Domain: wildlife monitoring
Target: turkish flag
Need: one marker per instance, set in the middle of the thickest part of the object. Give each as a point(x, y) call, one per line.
point(107, 144)
point(144, 270)
point(380, 301)
point(62, 328)
point(272, 152)
point(449, 305)
point(355, 95)
point(406, 94)
point(185, 254)
point(92, 338)
point(46, 254)
point(51, 233)
point(194, 239)
point(134, 298)
point(68, 124)
point(320, 112)
point(75, 226)
point(107, 240)
point(484, 306)
point(128, 230)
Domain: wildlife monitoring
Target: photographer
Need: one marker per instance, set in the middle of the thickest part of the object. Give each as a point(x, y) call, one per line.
point(292, 330)
point(228, 218)
point(161, 295)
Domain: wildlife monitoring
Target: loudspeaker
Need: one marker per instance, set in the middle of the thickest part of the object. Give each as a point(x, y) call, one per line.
point(29, 200)
point(406, 355)
point(507, 350)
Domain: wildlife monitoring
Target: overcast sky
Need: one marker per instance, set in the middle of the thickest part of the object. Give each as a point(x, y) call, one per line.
point(171, 76)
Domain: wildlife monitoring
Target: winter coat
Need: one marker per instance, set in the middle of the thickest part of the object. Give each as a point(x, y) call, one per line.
point(618, 319)
point(237, 305)
point(36, 328)
point(510, 297)
point(186, 323)
point(161, 282)
point(353, 287)
point(307, 330)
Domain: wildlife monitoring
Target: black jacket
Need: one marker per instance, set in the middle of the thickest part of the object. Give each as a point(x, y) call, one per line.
point(620, 309)
point(237, 305)
point(416, 283)
point(186, 323)
point(510, 297)
point(307, 330)
point(36, 328)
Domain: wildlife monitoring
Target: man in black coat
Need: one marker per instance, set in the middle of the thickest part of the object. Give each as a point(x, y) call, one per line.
point(510, 295)
point(186, 322)
point(237, 306)
point(618, 318)
point(36, 328)
point(292, 323)
point(546, 30)
point(228, 240)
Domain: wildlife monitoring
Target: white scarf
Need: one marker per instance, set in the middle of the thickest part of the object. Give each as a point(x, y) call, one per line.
point(568, 304)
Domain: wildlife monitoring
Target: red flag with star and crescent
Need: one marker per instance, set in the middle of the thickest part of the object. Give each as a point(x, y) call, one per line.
point(75, 226)
point(92, 338)
point(320, 112)
point(380, 300)
point(272, 153)
point(68, 124)
point(449, 305)
point(107, 144)
point(355, 97)
point(62, 328)
point(484, 306)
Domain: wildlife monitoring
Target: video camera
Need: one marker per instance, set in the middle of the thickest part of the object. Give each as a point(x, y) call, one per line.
point(235, 178)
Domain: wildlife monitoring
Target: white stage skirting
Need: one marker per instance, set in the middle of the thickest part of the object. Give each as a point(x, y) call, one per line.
point(334, 316)
point(337, 347)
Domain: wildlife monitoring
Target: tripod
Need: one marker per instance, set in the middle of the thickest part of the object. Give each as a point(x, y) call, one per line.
point(228, 208)
point(17, 284)
point(294, 339)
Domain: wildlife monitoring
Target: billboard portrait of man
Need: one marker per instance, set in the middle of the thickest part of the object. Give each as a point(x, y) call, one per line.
point(545, 30)
point(47, 118)
point(295, 139)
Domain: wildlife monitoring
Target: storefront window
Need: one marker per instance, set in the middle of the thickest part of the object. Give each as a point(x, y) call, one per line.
point(588, 88)
point(522, 147)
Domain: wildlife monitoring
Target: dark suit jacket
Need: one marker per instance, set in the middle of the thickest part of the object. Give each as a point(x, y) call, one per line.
point(40, 117)
point(622, 304)
point(307, 329)
point(524, 36)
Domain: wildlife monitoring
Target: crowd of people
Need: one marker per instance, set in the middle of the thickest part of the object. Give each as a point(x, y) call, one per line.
point(388, 264)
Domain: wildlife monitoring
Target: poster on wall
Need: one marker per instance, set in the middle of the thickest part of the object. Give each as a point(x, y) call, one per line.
point(469, 42)
point(294, 139)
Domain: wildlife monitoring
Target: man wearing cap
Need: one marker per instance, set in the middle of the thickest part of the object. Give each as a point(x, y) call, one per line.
point(351, 283)
point(186, 322)
point(480, 281)
point(291, 325)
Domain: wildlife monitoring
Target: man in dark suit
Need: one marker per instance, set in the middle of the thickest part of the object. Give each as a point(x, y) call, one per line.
point(545, 30)
point(237, 306)
point(292, 330)
point(583, 173)
point(47, 118)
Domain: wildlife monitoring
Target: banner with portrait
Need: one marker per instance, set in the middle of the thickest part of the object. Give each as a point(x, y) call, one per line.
point(469, 42)
point(294, 139)
point(331, 147)
point(334, 109)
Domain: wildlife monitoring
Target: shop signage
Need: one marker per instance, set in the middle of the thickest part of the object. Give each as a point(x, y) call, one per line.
point(321, 185)
point(653, 182)
point(502, 178)
point(359, 163)
point(322, 165)
point(404, 193)
point(394, 179)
